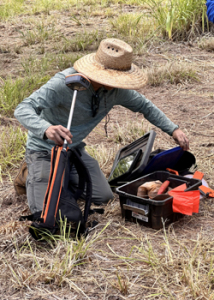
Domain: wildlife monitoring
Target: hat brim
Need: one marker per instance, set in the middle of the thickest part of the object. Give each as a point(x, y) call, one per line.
point(131, 79)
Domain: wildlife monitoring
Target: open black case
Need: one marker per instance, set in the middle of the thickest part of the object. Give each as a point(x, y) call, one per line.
point(137, 159)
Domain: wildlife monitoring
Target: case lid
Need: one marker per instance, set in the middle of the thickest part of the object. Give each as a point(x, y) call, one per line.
point(163, 160)
point(131, 159)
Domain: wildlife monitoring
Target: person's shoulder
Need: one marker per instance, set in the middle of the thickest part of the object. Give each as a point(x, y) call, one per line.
point(64, 73)
point(129, 93)
point(124, 96)
point(67, 72)
point(57, 82)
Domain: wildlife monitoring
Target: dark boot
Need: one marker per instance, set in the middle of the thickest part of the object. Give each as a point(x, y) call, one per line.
point(20, 180)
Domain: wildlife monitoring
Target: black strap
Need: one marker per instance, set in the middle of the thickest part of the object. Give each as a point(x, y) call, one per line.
point(34, 217)
point(84, 180)
point(96, 210)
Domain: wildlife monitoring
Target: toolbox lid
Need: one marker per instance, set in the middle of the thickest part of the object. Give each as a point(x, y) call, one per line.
point(131, 159)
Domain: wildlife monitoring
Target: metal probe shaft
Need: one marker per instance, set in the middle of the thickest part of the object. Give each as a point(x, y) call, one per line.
point(70, 117)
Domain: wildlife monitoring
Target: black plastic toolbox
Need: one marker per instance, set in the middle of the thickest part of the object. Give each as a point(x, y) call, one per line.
point(152, 212)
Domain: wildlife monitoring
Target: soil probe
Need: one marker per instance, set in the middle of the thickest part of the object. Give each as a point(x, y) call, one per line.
point(76, 82)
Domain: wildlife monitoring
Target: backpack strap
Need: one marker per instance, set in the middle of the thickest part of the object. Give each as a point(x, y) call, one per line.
point(34, 217)
point(84, 180)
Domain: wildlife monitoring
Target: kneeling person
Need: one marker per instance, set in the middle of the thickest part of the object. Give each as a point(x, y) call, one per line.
point(114, 79)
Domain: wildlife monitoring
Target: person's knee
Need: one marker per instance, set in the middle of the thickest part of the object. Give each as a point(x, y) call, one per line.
point(103, 198)
point(38, 164)
point(35, 195)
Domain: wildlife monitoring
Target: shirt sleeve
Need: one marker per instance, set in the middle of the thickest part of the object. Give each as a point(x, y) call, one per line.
point(210, 10)
point(29, 111)
point(138, 103)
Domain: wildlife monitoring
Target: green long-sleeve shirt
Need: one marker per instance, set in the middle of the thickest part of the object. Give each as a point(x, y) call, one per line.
point(50, 105)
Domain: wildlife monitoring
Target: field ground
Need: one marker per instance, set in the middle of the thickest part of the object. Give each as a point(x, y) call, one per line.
point(125, 261)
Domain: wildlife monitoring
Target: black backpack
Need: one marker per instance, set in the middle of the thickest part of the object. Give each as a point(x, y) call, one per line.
point(60, 203)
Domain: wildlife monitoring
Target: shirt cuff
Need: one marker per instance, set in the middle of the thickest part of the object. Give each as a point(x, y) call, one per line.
point(44, 137)
point(176, 127)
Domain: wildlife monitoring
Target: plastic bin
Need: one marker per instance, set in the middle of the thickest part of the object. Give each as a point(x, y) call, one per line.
point(152, 212)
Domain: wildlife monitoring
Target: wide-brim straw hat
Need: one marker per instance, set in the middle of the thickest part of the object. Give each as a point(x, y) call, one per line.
point(112, 66)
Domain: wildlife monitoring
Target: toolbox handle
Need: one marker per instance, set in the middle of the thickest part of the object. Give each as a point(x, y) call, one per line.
point(172, 171)
point(136, 209)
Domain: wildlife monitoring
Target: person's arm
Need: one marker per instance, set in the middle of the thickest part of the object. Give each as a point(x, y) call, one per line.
point(29, 112)
point(138, 103)
point(210, 10)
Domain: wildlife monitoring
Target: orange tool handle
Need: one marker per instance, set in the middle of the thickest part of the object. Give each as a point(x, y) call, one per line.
point(207, 191)
point(163, 187)
point(198, 175)
point(172, 171)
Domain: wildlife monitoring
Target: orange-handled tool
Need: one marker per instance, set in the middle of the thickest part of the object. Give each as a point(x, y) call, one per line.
point(163, 187)
point(172, 171)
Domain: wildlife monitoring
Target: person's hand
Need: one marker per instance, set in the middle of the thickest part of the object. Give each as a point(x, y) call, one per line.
point(181, 139)
point(58, 133)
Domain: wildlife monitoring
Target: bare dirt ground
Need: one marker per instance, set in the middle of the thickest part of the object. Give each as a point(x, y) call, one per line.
point(190, 106)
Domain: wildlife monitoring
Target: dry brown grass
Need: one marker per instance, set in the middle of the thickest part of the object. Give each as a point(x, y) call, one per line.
point(125, 261)
point(174, 73)
point(207, 44)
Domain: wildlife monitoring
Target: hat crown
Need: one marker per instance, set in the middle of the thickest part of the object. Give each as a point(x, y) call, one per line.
point(114, 54)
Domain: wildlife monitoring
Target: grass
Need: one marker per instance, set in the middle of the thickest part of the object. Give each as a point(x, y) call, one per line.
point(158, 265)
point(53, 261)
point(207, 44)
point(103, 155)
point(128, 132)
point(173, 73)
point(40, 34)
point(120, 135)
point(128, 24)
point(11, 8)
point(132, 27)
point(12, 148)
point(44, 67)
point(12, 92)
point(83, 41)
point(178, 19)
